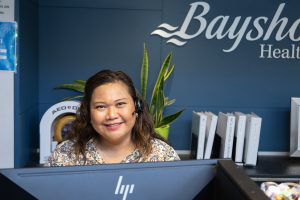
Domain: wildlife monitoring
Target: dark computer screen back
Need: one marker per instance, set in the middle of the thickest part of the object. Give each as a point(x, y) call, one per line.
point(163, 180)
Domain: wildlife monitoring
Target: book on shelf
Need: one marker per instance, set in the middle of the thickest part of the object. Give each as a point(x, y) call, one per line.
point(211, 125)
point(198, 134)
point(252, 137)
point(225, 133)
point(239, 137)
point(215, 152)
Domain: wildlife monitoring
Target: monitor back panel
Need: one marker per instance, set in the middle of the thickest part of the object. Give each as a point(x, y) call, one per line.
point(166, 180)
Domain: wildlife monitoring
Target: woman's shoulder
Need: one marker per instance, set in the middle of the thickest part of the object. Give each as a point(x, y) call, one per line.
point(63, 148)
point(159, 143)
point(65, 145)
point(162, 150)
point(62, 154)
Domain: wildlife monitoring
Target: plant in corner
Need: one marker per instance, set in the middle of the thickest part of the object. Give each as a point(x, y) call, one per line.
point(158, 101)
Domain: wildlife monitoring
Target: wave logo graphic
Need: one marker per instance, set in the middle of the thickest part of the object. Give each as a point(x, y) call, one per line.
point(166, 34)
point(178, 36)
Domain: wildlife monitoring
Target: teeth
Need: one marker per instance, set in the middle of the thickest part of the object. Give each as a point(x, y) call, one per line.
point(113, 124)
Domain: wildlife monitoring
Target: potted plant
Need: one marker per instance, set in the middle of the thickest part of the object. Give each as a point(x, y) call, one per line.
point(158, 101)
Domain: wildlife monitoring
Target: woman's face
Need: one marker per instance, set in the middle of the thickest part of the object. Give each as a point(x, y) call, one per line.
point(113, 112)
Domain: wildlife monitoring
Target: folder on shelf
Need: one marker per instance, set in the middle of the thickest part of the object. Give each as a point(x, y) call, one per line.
point(211, 125)
point(239, 137)
point(225, 133)
point(252, 136)
point(198, 134)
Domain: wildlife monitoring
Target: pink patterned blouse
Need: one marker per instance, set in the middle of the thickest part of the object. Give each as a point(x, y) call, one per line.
point(63, 155)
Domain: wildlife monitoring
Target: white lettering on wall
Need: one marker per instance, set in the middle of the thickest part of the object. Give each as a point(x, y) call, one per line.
point(235, 29)
point(269, 51)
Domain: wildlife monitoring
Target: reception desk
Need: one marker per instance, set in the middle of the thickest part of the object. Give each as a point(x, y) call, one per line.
point(275, 168)
point(188, 179)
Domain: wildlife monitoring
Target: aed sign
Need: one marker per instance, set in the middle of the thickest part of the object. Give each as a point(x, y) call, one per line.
point(47, 125)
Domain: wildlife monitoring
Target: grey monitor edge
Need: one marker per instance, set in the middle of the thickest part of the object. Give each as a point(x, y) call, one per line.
point(171, 180)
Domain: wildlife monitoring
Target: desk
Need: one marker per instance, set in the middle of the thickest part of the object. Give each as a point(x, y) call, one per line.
point(271, 168)
point(275, 168)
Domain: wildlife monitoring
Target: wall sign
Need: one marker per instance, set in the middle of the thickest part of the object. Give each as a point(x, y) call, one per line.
point(8, 37)
point(47, 126)
point(236, 29)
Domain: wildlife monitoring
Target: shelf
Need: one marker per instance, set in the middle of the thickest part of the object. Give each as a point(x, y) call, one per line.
point(275, 168)
point(271, 168)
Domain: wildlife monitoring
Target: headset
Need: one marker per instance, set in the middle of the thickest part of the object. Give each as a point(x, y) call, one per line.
point(138, 106)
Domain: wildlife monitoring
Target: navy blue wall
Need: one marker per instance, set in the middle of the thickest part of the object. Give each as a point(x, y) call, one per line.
point(208, 79)
point(78, 38)
point(26, 84)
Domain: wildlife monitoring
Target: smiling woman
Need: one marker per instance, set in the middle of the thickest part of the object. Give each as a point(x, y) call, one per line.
point(112, 125)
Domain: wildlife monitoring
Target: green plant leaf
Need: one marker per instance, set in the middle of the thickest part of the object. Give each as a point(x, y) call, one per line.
point(161, 75)
point(78, 87)
point(159, 105)
point(72, 98)
point(169, 72)
point(169, 119)
point(169, 102)
point(144, 73)
point(80, 82)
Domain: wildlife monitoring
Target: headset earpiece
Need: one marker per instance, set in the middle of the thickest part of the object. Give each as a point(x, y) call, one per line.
point(138, 106)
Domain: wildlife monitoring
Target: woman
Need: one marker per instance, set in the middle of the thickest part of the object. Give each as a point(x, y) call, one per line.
point(112, 125)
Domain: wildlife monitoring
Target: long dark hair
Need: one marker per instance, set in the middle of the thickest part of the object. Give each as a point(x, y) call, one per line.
point(82, 130)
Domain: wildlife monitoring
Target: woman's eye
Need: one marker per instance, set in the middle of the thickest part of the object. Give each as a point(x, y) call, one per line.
point(100, 107)
point(120, 104)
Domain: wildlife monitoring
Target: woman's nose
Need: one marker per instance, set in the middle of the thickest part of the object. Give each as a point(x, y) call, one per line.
point(111, 112)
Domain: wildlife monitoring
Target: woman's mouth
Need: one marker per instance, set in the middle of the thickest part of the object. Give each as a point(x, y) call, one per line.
point(113, 126)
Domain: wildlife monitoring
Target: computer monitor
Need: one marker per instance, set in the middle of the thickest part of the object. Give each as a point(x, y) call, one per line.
point(295, 127)
point(189, 179)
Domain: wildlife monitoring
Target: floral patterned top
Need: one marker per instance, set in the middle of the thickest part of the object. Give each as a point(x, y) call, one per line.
point(63, 155)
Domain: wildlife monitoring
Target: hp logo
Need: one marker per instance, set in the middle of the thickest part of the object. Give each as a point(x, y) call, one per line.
point(123, 189)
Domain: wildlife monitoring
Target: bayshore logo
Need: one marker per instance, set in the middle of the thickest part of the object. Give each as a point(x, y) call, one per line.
point(236, 29)
point(123, 189)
